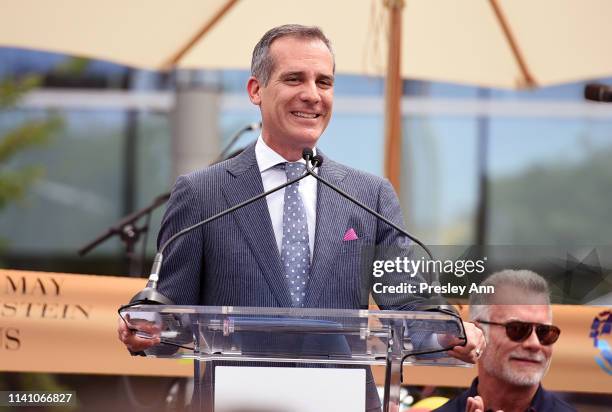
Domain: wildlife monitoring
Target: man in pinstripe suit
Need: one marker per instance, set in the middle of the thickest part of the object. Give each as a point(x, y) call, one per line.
point(236, 260)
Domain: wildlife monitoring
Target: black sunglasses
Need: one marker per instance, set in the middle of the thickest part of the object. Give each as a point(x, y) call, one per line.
point(518, 331)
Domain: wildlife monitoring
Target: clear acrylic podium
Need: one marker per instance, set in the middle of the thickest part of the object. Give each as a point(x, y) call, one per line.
point(302, 336)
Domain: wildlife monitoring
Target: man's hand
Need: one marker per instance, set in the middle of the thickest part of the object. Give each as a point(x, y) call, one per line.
point(474, 347)
point(476, 404)
point(137, 343)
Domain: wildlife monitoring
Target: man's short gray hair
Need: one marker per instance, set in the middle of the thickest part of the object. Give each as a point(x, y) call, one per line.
point(262, 64)
point(524, 280)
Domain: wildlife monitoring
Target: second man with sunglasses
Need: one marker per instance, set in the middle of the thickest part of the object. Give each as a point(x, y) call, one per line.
point(517, 323)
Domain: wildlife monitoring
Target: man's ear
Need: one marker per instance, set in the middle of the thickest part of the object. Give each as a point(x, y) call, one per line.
point(253, 88)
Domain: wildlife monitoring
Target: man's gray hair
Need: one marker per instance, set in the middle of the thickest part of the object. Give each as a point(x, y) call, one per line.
point(262, 64)
point(524, 280)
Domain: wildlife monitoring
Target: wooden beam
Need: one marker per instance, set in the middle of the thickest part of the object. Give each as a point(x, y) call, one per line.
point(176, 57)
point(528, 81)
point(393, 95)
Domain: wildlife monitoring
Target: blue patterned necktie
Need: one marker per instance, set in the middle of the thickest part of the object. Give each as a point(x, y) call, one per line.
point(295, 249)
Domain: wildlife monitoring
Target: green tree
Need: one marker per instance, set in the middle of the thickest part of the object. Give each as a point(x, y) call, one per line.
point(556, 203)
point(15, 180)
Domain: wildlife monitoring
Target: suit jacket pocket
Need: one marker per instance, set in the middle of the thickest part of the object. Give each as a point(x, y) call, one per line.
point(354, 246)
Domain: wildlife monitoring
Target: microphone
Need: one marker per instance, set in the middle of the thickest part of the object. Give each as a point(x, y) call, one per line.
point(150, 295)
point(248, 128)
point(598, 92)
point(308, 155)
point(255, 126)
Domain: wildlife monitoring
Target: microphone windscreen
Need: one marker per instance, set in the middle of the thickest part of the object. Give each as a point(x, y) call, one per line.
point(307, 154)
point(317, 161)
point(597, 92)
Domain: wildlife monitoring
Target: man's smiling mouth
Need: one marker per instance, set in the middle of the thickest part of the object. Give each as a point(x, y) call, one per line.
point(527, 360)
point(306, 115)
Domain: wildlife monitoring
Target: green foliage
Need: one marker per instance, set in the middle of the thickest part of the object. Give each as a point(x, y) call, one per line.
point(33, 133)
point(556, 203)
point(73, 66)
point(12, 90)
point(14, 181)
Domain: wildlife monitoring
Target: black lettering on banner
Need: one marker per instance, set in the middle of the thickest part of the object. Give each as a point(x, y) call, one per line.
point(9, 339)
point(12, 338)
point(48, 311)
point(8, 309)
point(76, 312)
point(45, 310)
point(12, 286)
point(83, 310)
point(57, 286)
point(39, 286)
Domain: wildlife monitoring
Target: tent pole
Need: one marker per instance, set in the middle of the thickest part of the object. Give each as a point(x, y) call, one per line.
point(393, 95)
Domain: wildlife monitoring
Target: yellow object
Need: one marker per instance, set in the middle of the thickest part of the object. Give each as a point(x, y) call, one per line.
point(430, 403)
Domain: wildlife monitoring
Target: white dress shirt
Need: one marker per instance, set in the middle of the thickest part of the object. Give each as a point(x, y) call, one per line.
point(272, 177)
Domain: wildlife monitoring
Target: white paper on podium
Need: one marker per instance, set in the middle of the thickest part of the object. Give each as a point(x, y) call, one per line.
point(274, 389)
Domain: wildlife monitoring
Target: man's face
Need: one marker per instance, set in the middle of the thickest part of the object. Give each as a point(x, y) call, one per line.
point(517, 363)
point(296, 104)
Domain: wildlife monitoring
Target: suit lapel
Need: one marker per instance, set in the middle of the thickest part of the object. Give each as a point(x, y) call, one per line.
point(330, 228)
point(254, 221)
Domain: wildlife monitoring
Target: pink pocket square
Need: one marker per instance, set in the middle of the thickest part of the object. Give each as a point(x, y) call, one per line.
point(350, 235)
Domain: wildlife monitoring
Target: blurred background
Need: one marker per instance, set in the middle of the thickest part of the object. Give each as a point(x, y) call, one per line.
point(103, 149)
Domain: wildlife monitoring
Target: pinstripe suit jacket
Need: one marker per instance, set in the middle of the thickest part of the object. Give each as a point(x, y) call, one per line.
point(235, 260)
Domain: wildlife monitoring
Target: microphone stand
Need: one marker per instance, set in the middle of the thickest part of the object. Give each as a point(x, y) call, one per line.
point(128, 231)
point(224, 153)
